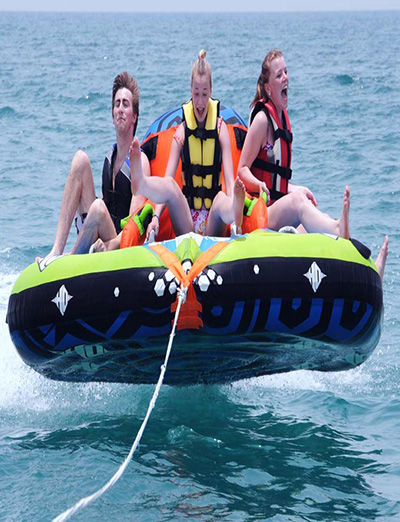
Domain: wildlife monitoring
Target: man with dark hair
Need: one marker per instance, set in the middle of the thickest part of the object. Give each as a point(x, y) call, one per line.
point(117, 201)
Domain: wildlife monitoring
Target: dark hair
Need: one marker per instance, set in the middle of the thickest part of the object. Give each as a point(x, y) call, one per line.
point(124, 79)
point(264, 75)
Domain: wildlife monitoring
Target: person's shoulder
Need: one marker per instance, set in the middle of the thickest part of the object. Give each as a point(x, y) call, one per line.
point(259, 123)
point(144, 158)
point(144, 155)
point(261, 116)
point(110, 152)
point(221, 125)
point(145, 163)
point(180, 131)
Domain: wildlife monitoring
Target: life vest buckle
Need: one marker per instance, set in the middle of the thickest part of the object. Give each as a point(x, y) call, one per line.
point(284, 134)
point(201, 133)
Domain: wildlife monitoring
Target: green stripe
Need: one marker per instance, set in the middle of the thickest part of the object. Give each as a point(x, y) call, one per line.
point(76, 265)
point(269, 244)
point(255, 245)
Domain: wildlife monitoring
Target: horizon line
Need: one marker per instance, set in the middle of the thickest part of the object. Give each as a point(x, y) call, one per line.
point(217, 11)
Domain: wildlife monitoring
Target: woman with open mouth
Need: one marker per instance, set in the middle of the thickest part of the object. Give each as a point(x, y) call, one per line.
point(265, 161)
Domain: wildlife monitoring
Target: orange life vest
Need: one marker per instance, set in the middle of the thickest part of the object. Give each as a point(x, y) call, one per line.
point(156, 145)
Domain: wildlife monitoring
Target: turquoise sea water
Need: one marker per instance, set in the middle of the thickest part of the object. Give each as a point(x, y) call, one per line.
point(300, 446)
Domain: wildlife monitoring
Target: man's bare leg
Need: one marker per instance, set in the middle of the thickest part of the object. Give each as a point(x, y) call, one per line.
point(78, 195)
point(98, 225)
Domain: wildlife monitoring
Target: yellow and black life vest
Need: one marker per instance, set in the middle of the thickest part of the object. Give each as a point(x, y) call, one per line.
point(201, 157)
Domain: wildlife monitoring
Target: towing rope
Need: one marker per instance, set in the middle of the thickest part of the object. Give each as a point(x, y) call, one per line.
point(89, 499)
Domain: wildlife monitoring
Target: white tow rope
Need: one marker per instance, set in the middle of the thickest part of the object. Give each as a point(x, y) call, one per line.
point(89, 499)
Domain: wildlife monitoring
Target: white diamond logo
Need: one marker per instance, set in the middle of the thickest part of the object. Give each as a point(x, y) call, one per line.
point(62, 299)
point(315, 276)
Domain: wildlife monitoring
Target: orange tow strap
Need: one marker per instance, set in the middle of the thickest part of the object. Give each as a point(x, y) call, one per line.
point(190, 315)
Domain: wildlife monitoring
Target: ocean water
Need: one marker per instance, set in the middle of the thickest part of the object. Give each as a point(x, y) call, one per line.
point(294, 447)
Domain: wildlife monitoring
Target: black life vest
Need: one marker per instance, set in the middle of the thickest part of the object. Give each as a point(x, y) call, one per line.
point(117, 199)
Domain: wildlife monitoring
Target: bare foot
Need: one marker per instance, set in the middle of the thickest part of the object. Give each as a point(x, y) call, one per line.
point(239, 192)
point(135, 159)
point(382, 256)
point(344, 227)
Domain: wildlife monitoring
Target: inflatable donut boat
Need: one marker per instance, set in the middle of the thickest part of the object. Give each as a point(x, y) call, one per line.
point(257, 304)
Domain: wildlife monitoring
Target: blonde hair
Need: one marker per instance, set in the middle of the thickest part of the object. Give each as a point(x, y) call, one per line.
point(201, 67)
point(264, 75)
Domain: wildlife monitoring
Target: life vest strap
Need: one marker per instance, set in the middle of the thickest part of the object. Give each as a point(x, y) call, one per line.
point(203, 170)
point(200, 192)
point(284, 134)
point(284, 172)
point(202, 133)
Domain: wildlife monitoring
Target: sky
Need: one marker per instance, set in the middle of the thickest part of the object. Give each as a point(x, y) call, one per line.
point(198, 5)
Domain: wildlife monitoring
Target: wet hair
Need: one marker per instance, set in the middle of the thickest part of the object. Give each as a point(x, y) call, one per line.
point(201, 67)
point(264, 75)
point(124, 79)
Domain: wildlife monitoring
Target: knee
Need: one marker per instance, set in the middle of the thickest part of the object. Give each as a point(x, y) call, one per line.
point(297, 199)
point(172, 186)
point(81, 158)
point(98, 210)
point(219, 198)
point(80, 164)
